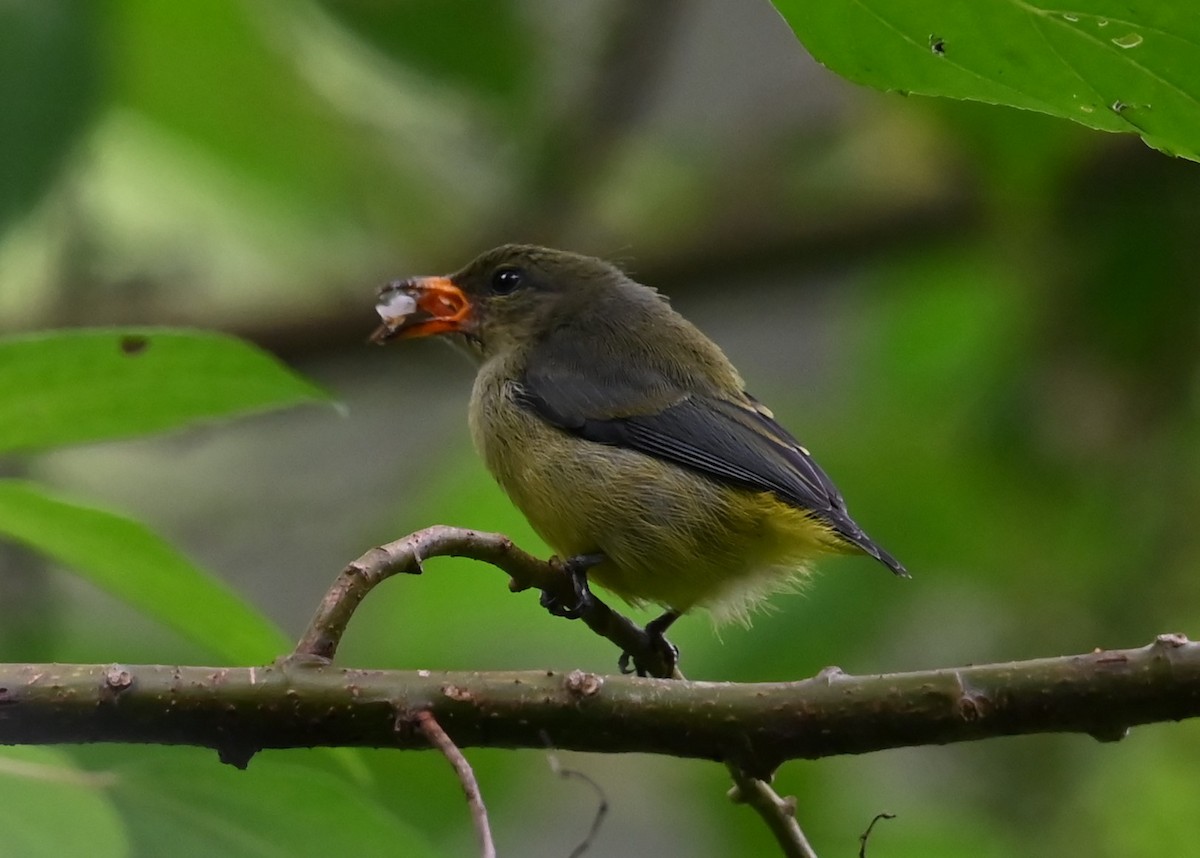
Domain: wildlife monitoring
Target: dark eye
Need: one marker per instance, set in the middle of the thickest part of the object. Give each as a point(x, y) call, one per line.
point(507, 280)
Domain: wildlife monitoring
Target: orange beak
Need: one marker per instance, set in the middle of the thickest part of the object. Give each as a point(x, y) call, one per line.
point(421, 307)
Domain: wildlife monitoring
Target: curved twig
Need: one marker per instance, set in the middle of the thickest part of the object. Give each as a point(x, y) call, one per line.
point(404, 556)
point(866, 835)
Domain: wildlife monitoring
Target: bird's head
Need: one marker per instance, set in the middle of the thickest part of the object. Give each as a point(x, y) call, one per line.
point(506, 298)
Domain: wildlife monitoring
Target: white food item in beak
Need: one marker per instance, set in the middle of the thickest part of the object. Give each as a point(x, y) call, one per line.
point(396, 307)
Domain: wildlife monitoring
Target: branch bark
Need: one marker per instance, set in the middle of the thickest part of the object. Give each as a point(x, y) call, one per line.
point(755, 726)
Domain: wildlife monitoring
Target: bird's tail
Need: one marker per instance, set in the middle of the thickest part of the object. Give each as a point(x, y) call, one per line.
point(869, 546)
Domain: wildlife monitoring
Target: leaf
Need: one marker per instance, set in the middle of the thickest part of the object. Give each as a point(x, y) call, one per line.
point(1114, 66)
point(493, 57)
point(50, 808)
point(184, 803)
point(217, 76)
point(49, 74)
point(65, 387)
point(125, 559)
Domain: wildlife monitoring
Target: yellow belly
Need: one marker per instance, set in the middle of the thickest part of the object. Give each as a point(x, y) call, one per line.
point(670, 536)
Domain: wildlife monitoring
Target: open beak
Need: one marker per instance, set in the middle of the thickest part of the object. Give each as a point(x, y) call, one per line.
point(421, 307)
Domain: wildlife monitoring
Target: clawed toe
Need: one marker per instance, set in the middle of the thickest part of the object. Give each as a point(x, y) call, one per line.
point(576, 568)
point(659, 650)
point(583, 601)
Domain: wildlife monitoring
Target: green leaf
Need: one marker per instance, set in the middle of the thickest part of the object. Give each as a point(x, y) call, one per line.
point(49, 71)
point(492, 57)
point(50, 808)
point(125, 559)
point(1114, 66)
point(217, 75)
point(185, 803)
point(65, 387)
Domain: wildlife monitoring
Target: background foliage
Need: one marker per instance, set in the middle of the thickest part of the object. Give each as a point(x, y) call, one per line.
point(982, 320)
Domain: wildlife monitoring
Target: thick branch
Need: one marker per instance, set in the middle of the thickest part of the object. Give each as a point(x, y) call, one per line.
point(754, 726)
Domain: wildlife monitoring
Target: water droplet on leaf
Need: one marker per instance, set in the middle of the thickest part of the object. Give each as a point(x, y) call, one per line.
point(1130, 40)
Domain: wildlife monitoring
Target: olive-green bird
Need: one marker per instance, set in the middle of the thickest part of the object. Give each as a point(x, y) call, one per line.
point(625, 435)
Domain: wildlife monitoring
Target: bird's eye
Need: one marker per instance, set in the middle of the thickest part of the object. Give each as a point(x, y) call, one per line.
point(506, 280)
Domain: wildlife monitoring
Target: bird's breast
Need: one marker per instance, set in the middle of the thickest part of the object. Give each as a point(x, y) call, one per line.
point(537, 465)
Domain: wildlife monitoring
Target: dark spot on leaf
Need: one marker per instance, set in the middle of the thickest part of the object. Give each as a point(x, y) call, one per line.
point(937, 44)
point(133, 344)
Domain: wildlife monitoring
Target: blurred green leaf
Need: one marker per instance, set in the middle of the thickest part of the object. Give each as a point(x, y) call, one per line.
point(1023, 157)
point(1129, 66)
point(949, 319)
point(49, 71)
point(124, 558)
point(66, 387)
point(49, 808)
point(185, 803)
point(215, 74)
point(491, 56)
point(1153, 781)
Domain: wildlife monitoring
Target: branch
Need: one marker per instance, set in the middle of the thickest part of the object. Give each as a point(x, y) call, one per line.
point(755, 726)
point(778, 813)
point(320, 640)
point(441, 740)
point(303, 701)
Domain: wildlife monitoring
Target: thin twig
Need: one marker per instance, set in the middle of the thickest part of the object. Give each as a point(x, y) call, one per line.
point(320, 640)
point(601, 809)
point(862, 838)
point(777, 812)
point(439, 739)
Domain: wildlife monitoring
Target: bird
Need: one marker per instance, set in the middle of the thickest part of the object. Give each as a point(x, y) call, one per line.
point(626, 437)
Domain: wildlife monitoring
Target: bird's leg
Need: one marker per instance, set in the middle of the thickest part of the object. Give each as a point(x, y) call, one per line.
point(657, 642)
point(576, 568)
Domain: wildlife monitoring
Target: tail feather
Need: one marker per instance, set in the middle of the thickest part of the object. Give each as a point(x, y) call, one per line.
point(869, 546)
point(887, 560)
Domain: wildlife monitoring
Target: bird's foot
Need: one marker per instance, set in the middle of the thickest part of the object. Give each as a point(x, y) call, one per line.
point(658, 652)
point(576, 568)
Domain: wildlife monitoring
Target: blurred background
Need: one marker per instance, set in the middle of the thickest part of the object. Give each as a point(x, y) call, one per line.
point(982, 321)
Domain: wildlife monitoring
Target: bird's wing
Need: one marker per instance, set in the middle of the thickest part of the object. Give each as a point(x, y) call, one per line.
point(734, 441)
